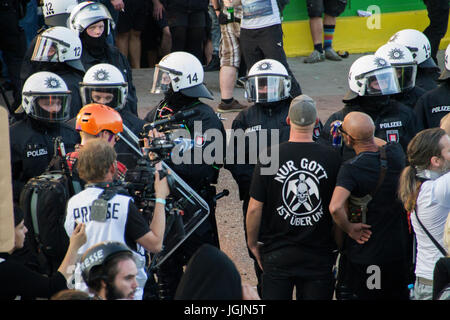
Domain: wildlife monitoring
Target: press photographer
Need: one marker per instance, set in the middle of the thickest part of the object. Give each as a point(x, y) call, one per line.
point(110, 215)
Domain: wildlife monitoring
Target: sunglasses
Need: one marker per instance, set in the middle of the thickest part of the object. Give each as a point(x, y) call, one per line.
point(343, 131)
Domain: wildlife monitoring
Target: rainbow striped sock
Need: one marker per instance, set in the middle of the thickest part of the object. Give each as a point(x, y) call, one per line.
point(328, 32)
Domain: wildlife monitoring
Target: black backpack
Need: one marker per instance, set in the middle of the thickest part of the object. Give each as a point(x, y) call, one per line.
point(43, 200)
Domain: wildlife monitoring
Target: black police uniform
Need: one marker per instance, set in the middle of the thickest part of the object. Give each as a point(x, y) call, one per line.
point(254, 119)
point(409, 97)
point(433, 106)
point(393, 122)
point(199, 177)
point(113, 56)
point(427, 78)
point(125, 153)
point(32, 148)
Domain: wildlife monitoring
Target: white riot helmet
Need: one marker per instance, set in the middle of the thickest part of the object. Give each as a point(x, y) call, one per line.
point(56, 12)
point(59, 44)
point(371, 76)
point(87, 13)
point(267, 81)
point(45, 96)
point(184, 72)
point(104, 83)
point(446, 72)
point(418, 44)
point(402, 60)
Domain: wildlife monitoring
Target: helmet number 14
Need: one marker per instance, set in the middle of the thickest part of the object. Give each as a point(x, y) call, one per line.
point(193, 79)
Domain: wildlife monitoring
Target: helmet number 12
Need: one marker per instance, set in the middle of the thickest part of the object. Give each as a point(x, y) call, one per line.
point(193, 79)
point(77, 51)
point(49, 9)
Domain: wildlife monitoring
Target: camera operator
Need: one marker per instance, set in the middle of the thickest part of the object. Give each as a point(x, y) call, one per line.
point(180, 76)
point(379, 237)
point(116, 217)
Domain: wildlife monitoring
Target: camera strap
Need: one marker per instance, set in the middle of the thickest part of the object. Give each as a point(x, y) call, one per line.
point(99, 208)
point(383, 170)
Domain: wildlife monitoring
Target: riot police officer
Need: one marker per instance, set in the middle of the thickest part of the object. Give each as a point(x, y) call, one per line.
point(104, 83)
point(402, 60)
point(180, 75)
point(418, 44)
point(55, 13)
point(46, 101)
point(58, 50)
point(434, 105)
point(94, 23)
point(372, 81)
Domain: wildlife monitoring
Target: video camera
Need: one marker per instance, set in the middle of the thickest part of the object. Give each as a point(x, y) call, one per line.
point(185, 208)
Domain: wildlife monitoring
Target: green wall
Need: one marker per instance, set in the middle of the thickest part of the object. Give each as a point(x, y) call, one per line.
point(296, 9)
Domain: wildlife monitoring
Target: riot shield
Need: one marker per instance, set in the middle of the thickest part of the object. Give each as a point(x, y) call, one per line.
point(185, 215)
point(186, 209)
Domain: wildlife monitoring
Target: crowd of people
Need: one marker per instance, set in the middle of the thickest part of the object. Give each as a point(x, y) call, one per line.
point(356, 208)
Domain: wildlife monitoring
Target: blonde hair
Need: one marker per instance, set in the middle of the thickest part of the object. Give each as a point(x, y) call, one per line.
point(95, 159)
point(447, 235)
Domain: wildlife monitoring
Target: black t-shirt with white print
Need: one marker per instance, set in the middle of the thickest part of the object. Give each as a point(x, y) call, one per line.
point(296, 197)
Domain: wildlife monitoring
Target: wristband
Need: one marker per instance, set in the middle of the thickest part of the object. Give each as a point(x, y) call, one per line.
point(159, 200)
point(216, 9)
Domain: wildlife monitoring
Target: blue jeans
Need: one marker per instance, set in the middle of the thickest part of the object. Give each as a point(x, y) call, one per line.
point(215, 30)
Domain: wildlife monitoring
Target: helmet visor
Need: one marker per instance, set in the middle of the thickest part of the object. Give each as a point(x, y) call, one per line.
point(50, 107)
point(406, 76)
point(91, 14)
point(161, 81)
point(110, 96)
point(266, 88)
point(382, 82)
point(46, 50)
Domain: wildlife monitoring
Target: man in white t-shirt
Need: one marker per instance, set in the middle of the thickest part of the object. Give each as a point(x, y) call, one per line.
point(262, 36)
point(120, 221)
point(425, 192)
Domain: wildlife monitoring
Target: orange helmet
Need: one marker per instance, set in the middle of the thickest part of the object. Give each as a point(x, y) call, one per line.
point(94, 118)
